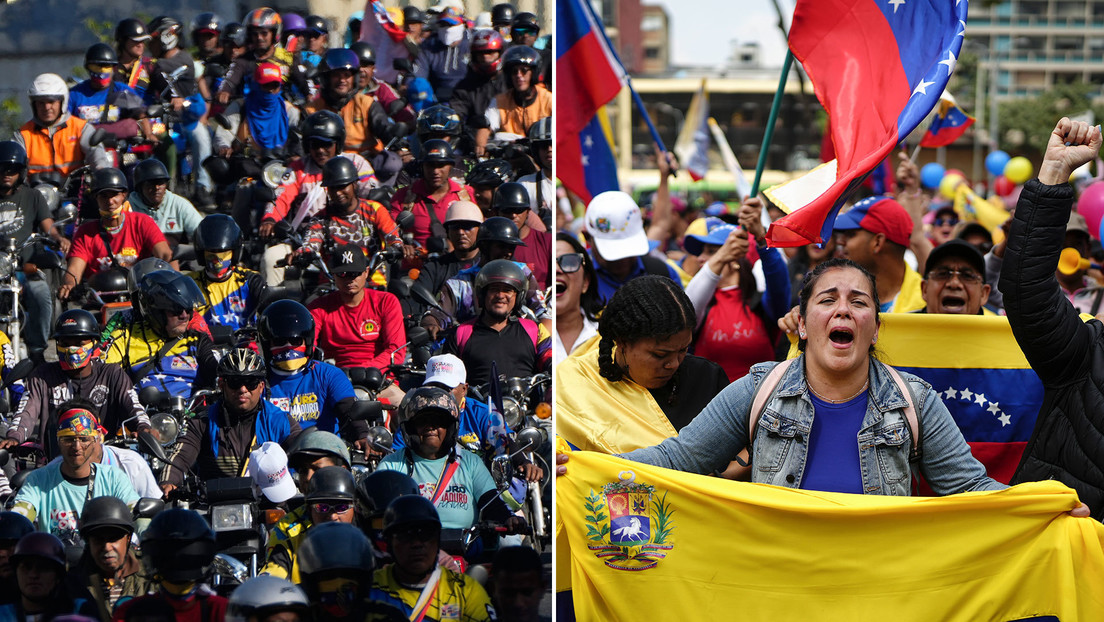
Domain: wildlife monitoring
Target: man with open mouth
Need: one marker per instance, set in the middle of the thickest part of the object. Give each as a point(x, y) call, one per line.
point(954, 280)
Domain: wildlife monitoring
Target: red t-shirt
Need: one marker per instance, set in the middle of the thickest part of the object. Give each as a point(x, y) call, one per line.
point(537, 254)
point(734, 336)
point(134, 242)
point(364, 336)
point(422, 204)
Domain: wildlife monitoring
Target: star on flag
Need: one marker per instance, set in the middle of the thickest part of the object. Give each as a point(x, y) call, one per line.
point(950, 394)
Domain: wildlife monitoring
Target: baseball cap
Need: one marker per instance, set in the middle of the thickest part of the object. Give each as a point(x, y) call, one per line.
point(267, 73)
point(465, 211)
point(349, 258)
point(878, 214)
point(709, 231)
point(268, 467)
point(613, 220)
point(956, 248)
point(1077, 223)
point(445, 369)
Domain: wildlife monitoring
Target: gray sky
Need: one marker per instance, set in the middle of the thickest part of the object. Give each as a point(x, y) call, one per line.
point(701, 30)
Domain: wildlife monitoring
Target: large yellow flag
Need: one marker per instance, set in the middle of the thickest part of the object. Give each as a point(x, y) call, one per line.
point(656, 544)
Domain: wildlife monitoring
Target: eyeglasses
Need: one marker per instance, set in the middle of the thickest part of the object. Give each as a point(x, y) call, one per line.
point(423, 533)
point(570, 262)
point(237, 382)
point(83, 441)
point(332, 508)
point(943, 222)
point(944, 274)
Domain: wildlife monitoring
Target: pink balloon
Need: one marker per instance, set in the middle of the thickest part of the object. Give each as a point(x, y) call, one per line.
point(1091, 205)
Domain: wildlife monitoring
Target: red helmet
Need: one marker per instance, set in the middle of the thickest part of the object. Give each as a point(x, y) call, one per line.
point(487, 40)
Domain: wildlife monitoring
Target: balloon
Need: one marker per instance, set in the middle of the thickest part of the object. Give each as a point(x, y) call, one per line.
point(996, 161)
point(1018, 170)
point(931, 174)
point(1091, 205)
point(948, 185)
point(955, 171)
point(1003, 186)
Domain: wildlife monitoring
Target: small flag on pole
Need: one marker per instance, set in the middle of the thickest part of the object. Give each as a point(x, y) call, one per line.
point(948, 124)
point(692, 145)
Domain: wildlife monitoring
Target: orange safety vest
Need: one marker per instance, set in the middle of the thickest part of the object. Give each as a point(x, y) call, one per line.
point(358, 129)
point(61, 152)
point(517, 119)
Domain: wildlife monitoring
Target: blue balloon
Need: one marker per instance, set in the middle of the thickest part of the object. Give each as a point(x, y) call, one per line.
point(995, 162)
point(931, 174)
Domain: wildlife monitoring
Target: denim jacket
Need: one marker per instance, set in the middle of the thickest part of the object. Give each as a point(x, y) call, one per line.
point(714, 438)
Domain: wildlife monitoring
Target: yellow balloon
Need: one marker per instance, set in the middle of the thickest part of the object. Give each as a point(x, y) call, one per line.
point(1018, 170)
point(948, 185)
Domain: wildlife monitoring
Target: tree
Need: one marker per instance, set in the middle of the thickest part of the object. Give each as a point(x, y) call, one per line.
point(1025, 124)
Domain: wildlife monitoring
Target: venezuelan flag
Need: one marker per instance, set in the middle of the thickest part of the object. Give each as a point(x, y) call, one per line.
point(976, 366)
point(949, 123)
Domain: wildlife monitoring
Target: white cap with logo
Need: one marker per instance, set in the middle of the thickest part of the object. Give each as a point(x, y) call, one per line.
point(268, 467)
point(446, 369)
point(613, 220)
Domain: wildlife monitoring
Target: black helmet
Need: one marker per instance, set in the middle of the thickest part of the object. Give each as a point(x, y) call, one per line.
point(339, 171)
point(502, 14)
point(329, 484)
point(428, 399)
point(317, 23)
point(364, 52)
point(234, 34)
point(113, 280)
point(413, 15)
point(108, 179)
point(325, 125)
point(76, 323)
point(334, 547)
point(409, 510)
point(149, 170)
point(144, 267)
point(438, 120)
point(104, 512)
point(100, 54)
point(168, 31)
point(242, 362)
point(501, 271)
point(128, 29)
point(493, 172)
point(283, 320)
point(167, 290)
point(499, 229)
point(13, 154)
point(340, 58)
point(219, 232)
point(14, 526)
point(41, 545)
point(525, 21)
point(438, 151)
point(178, 545)
point(521, 55)
point(206, 21)
point(509, 198)
point(541, 131)
point(376, 491)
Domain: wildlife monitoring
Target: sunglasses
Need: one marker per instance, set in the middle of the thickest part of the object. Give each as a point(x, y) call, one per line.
point(237, 382)
point(570, 262)
point(348, 275)
point(319, 143)
point(332, 508)
point(422, 534)
point(293, 341)
point(942, 222)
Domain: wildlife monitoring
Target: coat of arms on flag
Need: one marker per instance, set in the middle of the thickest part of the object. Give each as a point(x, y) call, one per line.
point(628, 527)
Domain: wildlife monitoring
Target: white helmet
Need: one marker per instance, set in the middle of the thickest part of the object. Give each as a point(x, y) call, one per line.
point(49, 85)
point(264, 595)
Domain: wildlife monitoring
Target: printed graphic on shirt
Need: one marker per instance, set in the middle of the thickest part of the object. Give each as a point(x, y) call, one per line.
point(11, 218)
point(369, 328)
point(126, 257)
point(455, 496)
point(304, 407)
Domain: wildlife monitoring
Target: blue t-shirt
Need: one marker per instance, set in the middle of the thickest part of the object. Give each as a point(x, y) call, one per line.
point(832, 464)
point(56, 504)
point(458, 506)
point(311, 394)
point(87, 103)
point(477, 425)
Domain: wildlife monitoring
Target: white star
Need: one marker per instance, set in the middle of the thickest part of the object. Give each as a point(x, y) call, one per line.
point(586, 161)
point(896, 3)
point(922, 87)
point(994, 407)
point(961, 33)
point(588, 142)
point(966, 395)
point(980, 399)
point(1005, 420)
point(949, 62)
point(951, 394)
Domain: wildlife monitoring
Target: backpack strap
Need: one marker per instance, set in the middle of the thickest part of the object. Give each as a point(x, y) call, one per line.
point(763, 394)
point(910, 413)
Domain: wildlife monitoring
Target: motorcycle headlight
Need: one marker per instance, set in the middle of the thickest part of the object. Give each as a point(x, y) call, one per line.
point(166, 426)
point(511, 412)
point(231, 517)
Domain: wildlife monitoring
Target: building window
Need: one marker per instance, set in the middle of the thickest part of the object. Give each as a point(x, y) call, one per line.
point(652, 23)
point(651, 53)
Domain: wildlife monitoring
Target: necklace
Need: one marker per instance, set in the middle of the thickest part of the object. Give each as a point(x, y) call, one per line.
point(846, 399)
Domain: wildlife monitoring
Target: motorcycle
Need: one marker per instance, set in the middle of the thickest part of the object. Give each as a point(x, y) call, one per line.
point(11, 286)
point(169, 419)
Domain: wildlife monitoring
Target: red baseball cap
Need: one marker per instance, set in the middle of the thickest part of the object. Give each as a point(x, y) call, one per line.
point(878, 214)
point(267, 72)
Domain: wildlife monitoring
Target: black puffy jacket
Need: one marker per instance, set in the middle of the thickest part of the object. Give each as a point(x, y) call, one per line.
point(1067, 354)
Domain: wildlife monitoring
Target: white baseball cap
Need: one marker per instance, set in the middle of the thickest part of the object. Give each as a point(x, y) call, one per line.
point(446, 369)
point(268, 466)
point(613, 220)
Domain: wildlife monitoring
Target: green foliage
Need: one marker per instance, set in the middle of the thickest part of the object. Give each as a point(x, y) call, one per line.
point(664, 524)
point(103, 29)
point(11, 117)
point(1025, 124)
point(597, 530)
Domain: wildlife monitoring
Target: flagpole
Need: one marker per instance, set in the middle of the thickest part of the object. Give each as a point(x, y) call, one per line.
point(769, 130)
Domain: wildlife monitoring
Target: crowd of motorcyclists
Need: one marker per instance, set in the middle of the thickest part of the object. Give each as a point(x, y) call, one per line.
point(298, 306)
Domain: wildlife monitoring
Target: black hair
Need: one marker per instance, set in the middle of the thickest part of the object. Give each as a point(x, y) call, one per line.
point(517, 560)
point(811, 280)
point(647, 307)
point(589, 300)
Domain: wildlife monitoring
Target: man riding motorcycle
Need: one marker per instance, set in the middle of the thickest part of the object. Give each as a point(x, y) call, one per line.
point(109, 567)
point(174, 215)
point(231, 293)
point(56, 141)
